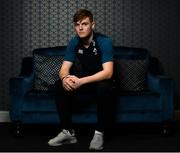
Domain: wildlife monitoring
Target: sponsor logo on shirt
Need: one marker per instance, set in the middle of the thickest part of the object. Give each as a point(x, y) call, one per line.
point(80, 51)
point(94, 43)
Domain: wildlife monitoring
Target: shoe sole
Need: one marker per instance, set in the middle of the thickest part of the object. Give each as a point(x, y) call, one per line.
point(65, 142)
point(91, 148)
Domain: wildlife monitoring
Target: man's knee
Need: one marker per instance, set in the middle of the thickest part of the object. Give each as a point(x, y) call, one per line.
point(58, 86)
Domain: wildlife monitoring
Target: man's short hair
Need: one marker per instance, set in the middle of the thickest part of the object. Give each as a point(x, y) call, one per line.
point(81, 14)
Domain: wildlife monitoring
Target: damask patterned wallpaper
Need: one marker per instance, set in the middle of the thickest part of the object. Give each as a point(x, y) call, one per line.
point(29, 24)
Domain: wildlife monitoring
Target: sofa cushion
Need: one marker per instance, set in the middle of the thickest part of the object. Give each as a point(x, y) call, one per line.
point(46, 70)
point(131, 74)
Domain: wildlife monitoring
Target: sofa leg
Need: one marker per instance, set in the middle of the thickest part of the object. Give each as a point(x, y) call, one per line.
point(165, 130)
point(168, 128)
point(17, 130)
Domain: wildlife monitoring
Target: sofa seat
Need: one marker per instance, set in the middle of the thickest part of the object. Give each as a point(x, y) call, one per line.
point(132, 103)
point(145, 101)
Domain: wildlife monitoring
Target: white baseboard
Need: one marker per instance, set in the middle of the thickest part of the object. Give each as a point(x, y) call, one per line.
point(4, 116)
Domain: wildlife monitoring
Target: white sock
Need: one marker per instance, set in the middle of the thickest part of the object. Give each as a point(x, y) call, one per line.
point(98, 132)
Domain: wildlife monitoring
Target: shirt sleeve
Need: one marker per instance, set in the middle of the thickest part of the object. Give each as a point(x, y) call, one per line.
point(106, 48)
point(70, 50)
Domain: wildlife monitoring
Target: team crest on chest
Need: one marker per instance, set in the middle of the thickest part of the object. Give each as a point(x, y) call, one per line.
point(95, 51)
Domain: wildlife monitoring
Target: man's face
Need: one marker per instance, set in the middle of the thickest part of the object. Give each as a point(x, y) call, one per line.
point(84, 27)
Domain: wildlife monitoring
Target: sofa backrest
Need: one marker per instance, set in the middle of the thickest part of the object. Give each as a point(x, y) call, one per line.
point(131, 66)
point(119, 52)
point(130, 53)
point(51, 51)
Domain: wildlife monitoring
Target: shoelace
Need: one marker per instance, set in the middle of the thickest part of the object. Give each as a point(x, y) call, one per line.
point(67, 132)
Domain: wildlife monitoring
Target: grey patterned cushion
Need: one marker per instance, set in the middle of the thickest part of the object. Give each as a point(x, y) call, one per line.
point(46, 71)
point(131, 74)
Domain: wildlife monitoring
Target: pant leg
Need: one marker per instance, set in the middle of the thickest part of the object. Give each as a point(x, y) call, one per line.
point(63, 101)
point(66, 102)
point(104, 102)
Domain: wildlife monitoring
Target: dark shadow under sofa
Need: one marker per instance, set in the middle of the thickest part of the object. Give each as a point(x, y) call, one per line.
point(142, 92)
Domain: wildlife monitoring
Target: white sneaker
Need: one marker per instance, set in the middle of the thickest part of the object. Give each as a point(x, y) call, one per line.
point(97, 142)
point(64, 137)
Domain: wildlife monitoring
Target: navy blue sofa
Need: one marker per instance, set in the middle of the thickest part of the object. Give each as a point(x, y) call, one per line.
point(149, 100)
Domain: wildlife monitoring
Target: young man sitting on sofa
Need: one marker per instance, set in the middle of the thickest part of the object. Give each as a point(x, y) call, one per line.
point(95, 53)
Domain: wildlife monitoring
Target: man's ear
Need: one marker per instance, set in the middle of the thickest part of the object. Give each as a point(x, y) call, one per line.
point(93, 25)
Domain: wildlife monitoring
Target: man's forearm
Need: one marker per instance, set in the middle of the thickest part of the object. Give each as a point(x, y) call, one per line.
point(102, 75)
point(63, 75)
point(64, 71)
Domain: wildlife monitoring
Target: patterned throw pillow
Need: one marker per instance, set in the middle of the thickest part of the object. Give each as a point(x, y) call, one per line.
point(131, 74)
point(46, 71)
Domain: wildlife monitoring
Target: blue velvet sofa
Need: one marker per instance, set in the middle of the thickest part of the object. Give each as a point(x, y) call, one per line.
point(145, 96)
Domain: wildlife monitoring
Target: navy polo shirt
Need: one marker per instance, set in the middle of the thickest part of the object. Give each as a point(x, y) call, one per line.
point(91, 58)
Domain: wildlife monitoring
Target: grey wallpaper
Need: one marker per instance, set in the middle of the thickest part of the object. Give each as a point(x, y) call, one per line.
point(29, 24)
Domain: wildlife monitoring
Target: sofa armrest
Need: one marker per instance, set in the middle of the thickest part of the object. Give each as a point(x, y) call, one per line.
point(166, 88)
point(24, 82)
point(158, 82)
point(20, 85)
